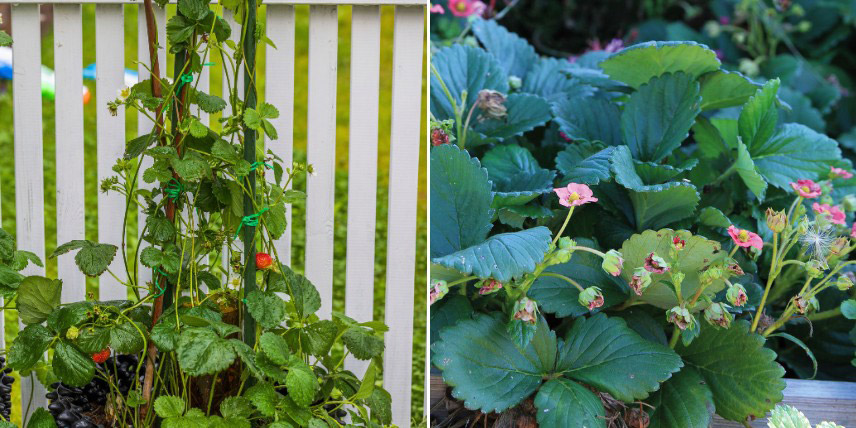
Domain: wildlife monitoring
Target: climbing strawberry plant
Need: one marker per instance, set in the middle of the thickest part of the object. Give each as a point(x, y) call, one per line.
point(224, 334)
point(629, 235)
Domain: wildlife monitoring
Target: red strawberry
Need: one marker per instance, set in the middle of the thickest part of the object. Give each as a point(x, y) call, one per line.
point(263, 260)
point(102, 356)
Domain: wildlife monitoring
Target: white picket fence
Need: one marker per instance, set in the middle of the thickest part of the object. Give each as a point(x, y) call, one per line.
point(363, 149)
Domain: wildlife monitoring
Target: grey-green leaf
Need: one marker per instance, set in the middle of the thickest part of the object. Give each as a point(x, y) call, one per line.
point(463, 68)
point(589, 117)
point(757, 120)
point(515, 55)
point(565, 403)
point(682, 401)
point(637, 64)
point(37, 298)
point(503, 256)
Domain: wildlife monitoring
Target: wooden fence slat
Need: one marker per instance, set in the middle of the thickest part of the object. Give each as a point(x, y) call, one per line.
point(144, 124)
point(70, 222)
point(403, 184)
point(110, 135)
point(362, 155)
point(29, 165)
point(279, 91)
point(321, 151)
point(288, 2)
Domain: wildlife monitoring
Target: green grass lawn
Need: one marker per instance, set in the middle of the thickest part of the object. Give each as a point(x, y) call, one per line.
point(7, 184)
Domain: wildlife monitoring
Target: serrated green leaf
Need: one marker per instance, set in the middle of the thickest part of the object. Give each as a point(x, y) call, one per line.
point(275, 348)
point(525, 113)
point(653, 133)
point(167, 406)
point(514, 171)
point(126, 338)
point(159, 229)
point(40, 418)
point(589, 117)
point(795, 152)
point(463, 68)
point(481, 348)
point(682, 401)
point(197, 129)
point(236, 407)
point(653, 206)
point(380, 403)
point(710, 216)
point(92, 340)
point(801, 110)
point(276, 221)
point(201, 352)
point(72, 366)
point(266, 308)
point(37, 298)
point(137, 146)
point(785, 416)
point(637, 64)
point(742, 374)
point(179, 30)
point(749, 173)
point(165, 335)
point(848, 309)
point(252, 119)
point(320, 336)
point(697, 254)
point(367, 384)
point(461, 197)
point(503, 257)
point(362, 343)
point(565, 403)
point(303, 293)
point(154, 258)
point(28, 347)
point(192, 167)
point(267, 111)
point(722, 88)
point(605, 353)
point(301, 383)
point(193, 9)
point(757, 120)
point(584, 163)
point(92, 259)
point(514, 54)
point(209, 103)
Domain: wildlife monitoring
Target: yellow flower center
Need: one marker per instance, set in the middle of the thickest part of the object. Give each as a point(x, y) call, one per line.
point(461, 6)
point(574, 196)
point(743, 236)
point(805, 189)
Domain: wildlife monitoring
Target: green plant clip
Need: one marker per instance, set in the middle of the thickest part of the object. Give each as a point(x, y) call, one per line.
point(250, 220)
point(162, 289)
point(174, 189)
point(255, 165)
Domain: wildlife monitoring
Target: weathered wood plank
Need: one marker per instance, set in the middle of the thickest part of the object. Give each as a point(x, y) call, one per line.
point(408, 37)
point(29, 164)
point(321, 151)
point(362, 160)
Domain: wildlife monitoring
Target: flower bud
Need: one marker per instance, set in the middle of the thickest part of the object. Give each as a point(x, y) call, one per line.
point(814, 268)
point(678, 243)
point(849, 203)
point(712, 273)
point(678, 278)
point(735, 269)
point(802, 226)
point(591, 298)
point(492, 104)
point(839, 245)
point(655, 264)
point(566, 243)
point(72, 333)
point(612, 262)
point(801, 304)
point(525, 310)
point(640, 281)
point(843, 283)
point(439, 289)
point(562, 256)
point(736, 295)
point(514, 82)
point(776, 220)
point(680, 317)
point(490, 286)
point(439, 137)
point(717, 315)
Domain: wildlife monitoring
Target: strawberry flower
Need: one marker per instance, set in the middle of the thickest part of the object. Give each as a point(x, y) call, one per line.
point(465, 8)
point(807, 189)
point(437, 9)
point(574, 195)
point(490, 286)
point(834, 213)
point(591, 298)
point(640, 281)
point(439, 289)
point(839, 172)
point(656, 264)
point(853, 231)
point(525, 310)
point(744, 238)
point(736, 295)
point(612, 263)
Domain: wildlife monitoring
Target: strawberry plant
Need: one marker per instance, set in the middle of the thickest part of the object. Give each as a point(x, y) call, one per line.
point(627, 235)
point(224, 334)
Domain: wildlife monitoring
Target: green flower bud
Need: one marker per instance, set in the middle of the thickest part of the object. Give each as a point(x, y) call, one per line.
point(680, 317)
point(776, 220)
point(591, 298)
point(562, 256)
point(490, 286)
point(736, 295)
point(612, 263)
point(849, 203)
point(640, 281)
point(844, 282)
point(514, 82)
point(814, 268)
point(717, 315)
point(566, 243)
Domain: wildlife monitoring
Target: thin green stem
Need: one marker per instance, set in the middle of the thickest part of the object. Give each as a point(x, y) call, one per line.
point(560, 276)
point(564, 225)
point(770, 279)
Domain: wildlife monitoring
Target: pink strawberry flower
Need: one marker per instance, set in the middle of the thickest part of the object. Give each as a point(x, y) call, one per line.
point(655, 264)
point(744, 238)
point(839, 172)
point(807, 188)
point(853, 231)
point(437, 9)
point(835, 214)
point(465, 8)
point(574, 195)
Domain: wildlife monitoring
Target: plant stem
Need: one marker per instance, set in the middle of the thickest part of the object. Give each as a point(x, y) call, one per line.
point(560, 276)
point(770, 278)
point(818, 316)
point(676, 333)
point(728, 172)
point(565, 224)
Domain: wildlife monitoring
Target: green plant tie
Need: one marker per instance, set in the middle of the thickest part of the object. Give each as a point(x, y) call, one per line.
point(208, 64)
point(251, 220)
point(174, 190)
point(162, 289)
point(185, 78)
point(255, 165)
